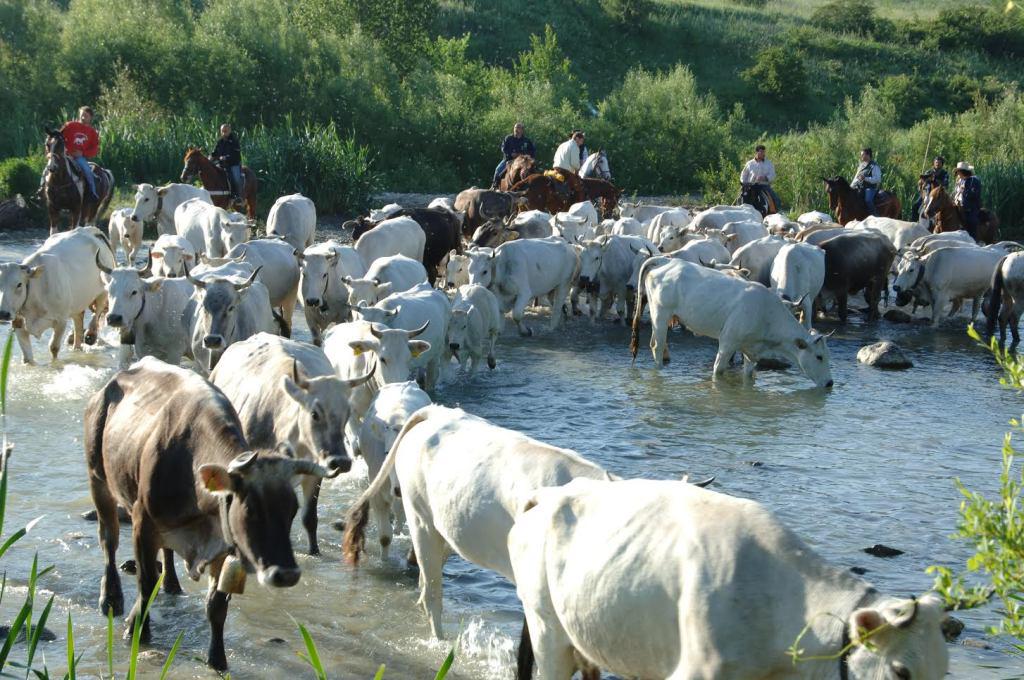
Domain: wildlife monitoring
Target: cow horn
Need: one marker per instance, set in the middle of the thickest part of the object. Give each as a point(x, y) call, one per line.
point(242, 461)
point(356, 382)
point(195, 282)
point(373, 331)
point(248, 282)
point(148, 269)
point(906, 620)
point(414, 333)
point(306, 467)
point(102, 267)
point(299, 376)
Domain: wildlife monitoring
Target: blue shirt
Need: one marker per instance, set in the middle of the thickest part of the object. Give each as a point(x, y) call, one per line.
point(517, 145)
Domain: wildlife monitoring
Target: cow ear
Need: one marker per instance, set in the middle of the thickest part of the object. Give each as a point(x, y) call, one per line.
point(154, 285)
point(292, 390)
point(156, 255)
point(801, 343)
point(285, 450)
point(34, 272)
point(384, 288)
point(162, 191)
point(418, 347)
point(360, 346)
point(863, 623)
point(216, 479)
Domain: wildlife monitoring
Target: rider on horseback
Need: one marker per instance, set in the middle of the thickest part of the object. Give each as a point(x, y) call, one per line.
point(514, 145)
point(81, 142)
point(868, 178)
point(759, 173)
point(936, 176)
point(968, 197)
point(568, 159)
point(227, 155)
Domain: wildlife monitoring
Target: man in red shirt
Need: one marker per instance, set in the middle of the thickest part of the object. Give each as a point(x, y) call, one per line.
point(82, 142)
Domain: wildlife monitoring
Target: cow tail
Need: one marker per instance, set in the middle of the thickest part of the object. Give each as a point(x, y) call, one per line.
point(641, 302)
point(281, 323)
point(105, 203)
point(524, 657)
point(995, 299)
point(354, 542)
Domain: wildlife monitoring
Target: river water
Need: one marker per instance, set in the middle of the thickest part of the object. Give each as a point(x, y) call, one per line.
point(873, 461)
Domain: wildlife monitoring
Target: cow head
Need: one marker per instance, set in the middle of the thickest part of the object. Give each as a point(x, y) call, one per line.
point(909, 273)
point(219, 311)
point(366, 291)
point(481, 266)
point(898, 638)
point(126, 293)
point(315, 275)
point(147, 199)
point(259, 506)
point(590, 264)
point(171, 261)
point(324, 410)
point(458, 330)
point(812, 355)
point(15, 280)
point(674, 237)
point(233, 233)
point(456, 270)
point(395, 349)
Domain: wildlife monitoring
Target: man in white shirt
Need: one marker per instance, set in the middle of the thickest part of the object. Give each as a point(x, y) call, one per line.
point(867, 179)
point(760, 173)
point(568, 159)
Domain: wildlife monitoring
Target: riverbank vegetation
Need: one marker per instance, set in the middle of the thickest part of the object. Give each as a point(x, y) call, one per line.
point(340, 98)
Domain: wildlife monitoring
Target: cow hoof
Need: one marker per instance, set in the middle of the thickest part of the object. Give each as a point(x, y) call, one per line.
point(665, 361)
point(128, 567)
point(173, 588)
point(218, 662)
point(314, 550)
point(112, 604)
point(338, 525)
point(411, 559)
point(90, 339)
point(491, 363)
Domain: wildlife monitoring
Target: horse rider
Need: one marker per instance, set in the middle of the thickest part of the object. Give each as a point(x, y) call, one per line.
point(227, 155)
point(968, 197)
point(514, 145)
point(81, 142)
point(868, 178)
point(568, 160)
point(759, 173)
point(933, 177)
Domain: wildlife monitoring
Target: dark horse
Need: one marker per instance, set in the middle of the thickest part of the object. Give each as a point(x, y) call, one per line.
point(847, 203)
point(65, 190)
point(519, 169)
point(939, 207)
point(215, 181)
point(547, 193)
point(602, 189)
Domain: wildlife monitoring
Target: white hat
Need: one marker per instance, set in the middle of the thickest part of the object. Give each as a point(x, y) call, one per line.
point(964, 165)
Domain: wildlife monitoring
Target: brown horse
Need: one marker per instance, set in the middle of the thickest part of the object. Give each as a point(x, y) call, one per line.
point(544, 192)
point(847, 203)
point(946, 216)
point(215, 181)
point(519, 169)
point(65, 190)
point(602, 189)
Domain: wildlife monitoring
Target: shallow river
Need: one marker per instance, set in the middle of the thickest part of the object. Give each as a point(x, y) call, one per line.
point(872, 461)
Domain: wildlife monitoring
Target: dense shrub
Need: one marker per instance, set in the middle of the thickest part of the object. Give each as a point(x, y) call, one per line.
point(778, 71)
point(753, 3)
point(909, 94)
point(997, 32)
point(628, 13)
point(19, 176)
point(850, 16)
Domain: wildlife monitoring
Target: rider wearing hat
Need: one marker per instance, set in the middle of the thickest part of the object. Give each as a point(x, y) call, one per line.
point(514, 145)
point(868, 178)
point(968, 196)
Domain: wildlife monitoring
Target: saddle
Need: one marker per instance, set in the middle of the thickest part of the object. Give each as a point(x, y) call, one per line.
point(224, 175)
point(97, 171)
point(555, 174)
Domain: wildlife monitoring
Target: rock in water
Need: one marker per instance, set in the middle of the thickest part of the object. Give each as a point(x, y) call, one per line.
point(884, 354)
point(897, 316)
point(879, 550)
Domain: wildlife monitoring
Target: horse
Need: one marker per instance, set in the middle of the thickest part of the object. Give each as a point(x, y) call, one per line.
point(519, 169)
point(65, 190)
point(596, 166)
point(606, 191)
point(847, 204)
point(545, 192)
point(946, 216)
point(758, 196)
point(215, 181)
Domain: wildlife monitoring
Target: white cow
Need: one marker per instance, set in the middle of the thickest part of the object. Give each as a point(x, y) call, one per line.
point(946, 276)
point(379, 214)
point(172, 255)
point(396, 273)
point(456, 270)
point(396, 236)
point(587, 211)
point(279, 271)
point(533, 224)
point(159, 203)
point(125, 234)
point(419, 307)
point(900, 233)
point(519, 271)
point(208, 228)
point(57, 282)
point(628, 226)
point(461, 478)
point(742, 233)
point(641, 212)
point(720, 215)
point(293, 218)
point(677, 218)
point(323, 294)
point(474, 327)
point(442, 202)
point(287, 391)
point(390, 410)
point(757, 257)
point(959, 235)
point(607, 267)
point(661, 579)
point(1007, 298)
point(223, 311)
point(149, 313)
point(702, 251)
point(572, 228)
point(743, 316)
point(797, 276)
point(809, 218)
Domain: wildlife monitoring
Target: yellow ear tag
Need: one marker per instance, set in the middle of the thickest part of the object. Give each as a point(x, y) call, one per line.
point(416, 353)
point(357, 351)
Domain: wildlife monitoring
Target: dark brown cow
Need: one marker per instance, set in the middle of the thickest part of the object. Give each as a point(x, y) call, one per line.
point(167, 445)
point(440, 226)
point(483, 205)
point(857, 261)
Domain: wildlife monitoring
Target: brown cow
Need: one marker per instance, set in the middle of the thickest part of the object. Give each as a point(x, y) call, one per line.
point(483, 205)
point(859, 260)
point(165, 443)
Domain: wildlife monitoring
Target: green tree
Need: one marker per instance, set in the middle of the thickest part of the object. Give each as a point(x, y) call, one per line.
point(779, 72)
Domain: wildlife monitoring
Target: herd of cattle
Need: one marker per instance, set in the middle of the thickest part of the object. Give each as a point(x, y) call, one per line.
point(652, 579)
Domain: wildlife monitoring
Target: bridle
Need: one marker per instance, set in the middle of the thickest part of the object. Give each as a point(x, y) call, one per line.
point(844, 658)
